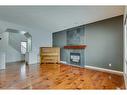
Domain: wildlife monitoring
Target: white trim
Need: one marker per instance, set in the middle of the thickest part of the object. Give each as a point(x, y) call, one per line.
point(63, 62)
point(97, 68)
point(125, 80)
point(73, 65)
point(124, 45)
point(15, 62)
point(105, 70)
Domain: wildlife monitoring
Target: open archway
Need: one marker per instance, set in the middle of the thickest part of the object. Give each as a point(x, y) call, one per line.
point(21, 41)
point(26, 34)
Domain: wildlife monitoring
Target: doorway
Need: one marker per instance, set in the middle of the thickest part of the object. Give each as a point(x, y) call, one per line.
point(23, 47)
point(21, 42)
point(125, 45)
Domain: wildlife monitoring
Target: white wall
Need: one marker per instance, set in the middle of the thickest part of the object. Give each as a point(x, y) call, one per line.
point(2, 60)
point(40, 38)
point(2, 52)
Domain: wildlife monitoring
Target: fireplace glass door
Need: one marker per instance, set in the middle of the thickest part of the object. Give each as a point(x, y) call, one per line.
point(75, 58)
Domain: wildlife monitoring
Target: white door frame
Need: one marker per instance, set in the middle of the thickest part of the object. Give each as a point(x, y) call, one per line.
point(124, 65)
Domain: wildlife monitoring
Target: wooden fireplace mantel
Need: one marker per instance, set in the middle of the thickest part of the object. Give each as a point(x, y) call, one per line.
point(75, 47)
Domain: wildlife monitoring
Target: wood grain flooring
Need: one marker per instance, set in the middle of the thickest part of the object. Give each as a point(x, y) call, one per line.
point(57, 76)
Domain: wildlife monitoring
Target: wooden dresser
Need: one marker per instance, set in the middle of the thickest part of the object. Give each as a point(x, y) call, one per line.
point(49, 55)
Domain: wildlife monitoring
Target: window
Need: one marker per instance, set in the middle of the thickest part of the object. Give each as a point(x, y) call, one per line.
point(23, 47)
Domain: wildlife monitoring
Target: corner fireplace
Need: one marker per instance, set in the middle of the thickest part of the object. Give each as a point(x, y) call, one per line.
point(75, 58)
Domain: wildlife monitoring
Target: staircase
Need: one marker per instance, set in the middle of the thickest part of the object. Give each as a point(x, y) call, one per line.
point(15, 40)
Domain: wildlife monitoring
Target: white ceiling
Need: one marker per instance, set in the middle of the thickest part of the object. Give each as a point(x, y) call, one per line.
point(56, 18)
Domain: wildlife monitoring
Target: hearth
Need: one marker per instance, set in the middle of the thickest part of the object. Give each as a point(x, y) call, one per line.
point(75, 58)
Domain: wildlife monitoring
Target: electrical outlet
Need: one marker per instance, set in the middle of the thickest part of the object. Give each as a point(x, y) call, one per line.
point(110, 65)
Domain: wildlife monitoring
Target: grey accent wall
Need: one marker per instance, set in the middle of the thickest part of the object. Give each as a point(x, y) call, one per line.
point(104, 40)
point(75, 36)
point(60, 40)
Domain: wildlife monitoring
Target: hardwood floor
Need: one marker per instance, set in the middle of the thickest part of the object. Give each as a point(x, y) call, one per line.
point(56, 76)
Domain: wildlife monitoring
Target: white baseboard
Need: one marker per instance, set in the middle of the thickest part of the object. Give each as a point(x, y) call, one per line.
point(125, 80)
point(63, 62)
point(72, 65)
point(97, 68)
point(105, 70)
point(15, 61)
